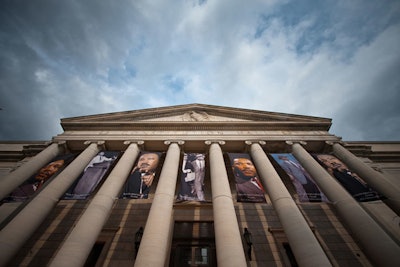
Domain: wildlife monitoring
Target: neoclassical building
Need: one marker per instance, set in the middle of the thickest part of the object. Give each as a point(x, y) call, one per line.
point(199, 185)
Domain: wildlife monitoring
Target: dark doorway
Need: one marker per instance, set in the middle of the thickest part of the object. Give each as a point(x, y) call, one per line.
point(193, 245)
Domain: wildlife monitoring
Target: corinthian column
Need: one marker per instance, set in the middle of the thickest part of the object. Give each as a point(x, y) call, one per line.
point(19, 229)
point(227, 235)
point(155, 243)
point(373, 178)
point(20, 175)
point(378, 246)
point(80, 241)
point(304, 244)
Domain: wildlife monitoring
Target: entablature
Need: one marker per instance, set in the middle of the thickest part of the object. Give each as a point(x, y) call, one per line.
point(195, 125)
point(272, 145)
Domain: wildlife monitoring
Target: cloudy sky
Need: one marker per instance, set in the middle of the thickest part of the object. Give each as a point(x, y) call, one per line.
point(337, 59)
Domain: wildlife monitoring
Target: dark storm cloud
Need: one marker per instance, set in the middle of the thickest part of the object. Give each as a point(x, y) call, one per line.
point(375, 114)
point(46, 49)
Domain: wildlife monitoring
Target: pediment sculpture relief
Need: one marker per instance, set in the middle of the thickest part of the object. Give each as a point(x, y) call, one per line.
point(195, 116)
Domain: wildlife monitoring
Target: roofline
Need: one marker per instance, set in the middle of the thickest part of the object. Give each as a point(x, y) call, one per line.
point(156, 112)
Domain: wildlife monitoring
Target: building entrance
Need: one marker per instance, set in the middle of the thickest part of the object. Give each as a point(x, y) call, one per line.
point(193, 245)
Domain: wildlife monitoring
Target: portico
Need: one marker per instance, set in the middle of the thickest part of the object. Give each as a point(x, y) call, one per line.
point(282, 229)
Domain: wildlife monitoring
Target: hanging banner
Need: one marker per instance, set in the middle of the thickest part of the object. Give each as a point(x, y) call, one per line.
point(348, 179)
point(248, 184)
point(40, 179)
point(92, 175)
point(192, 179)
point(142, 176)
point(304, 184)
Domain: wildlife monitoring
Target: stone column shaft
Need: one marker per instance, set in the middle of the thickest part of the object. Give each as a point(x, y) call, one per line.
point(303, 242)
point(155, 243)
point(227, 235)
point(20, 175)
point(373, 178)
point(19, 229)
point(80, 241)
point(378, 246)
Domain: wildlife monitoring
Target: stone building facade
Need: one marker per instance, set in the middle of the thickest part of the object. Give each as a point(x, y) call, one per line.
point(244, 205)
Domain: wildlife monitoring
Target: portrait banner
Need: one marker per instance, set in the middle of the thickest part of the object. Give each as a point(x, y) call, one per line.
point(248, 184)
point(40, 179)
point(142, 176)
point(348, 179)
point(92, 175)
point(192, 179)
point(305, 186)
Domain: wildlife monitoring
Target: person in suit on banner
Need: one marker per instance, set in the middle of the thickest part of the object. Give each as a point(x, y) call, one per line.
point(193, 171)
point(306, 189)
point(93, 173)
point(248, 185)
point(142, 176)
point(348, 179)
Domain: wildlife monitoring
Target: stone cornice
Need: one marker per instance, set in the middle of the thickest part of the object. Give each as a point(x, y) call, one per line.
point(196, 126)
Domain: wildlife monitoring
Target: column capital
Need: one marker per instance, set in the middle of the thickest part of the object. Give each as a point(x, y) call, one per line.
point(331, 143)
point(102, 144)
point(179, 142)
point(138, 142)
point(88, 142)
point(61, 144)
point(210, 142)
point(296, 142)
point(261, 142)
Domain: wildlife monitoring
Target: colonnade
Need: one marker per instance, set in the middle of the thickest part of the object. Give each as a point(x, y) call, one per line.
point(24, 224)
point(380, 248)
point(80, 241)
point(303, 242)
point(155, 244)
point(373, 178)
point(20, 175)
point(158, 230)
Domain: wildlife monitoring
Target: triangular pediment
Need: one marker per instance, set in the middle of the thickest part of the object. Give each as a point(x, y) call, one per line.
point(181, 115)
point(194, 115)
point(194, 112)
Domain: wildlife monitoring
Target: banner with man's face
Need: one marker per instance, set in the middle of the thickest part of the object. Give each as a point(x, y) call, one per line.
point(304, 184)
point(40, 179)
point(192, 179)
point(92, 175)
point(141, 178)
point(248, 184)
point(348, 179)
